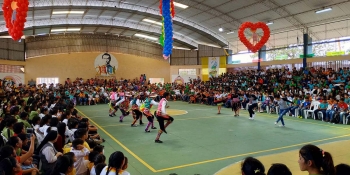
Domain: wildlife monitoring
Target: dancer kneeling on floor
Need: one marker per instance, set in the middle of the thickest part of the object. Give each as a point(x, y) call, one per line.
point(162, 115)
point(284, 108)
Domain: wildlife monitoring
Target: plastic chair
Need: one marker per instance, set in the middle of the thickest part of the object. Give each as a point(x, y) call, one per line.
point(267, 109)
point(320, 114)
point(329, 107)
point(277, 110)
point(313, 107)
point(296, 112)
point(345, 119)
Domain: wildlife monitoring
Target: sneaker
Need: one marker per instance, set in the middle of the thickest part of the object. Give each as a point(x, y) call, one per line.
point(141, 123)
point(114, 115)
point(158, 141)
point(147, 131)
point(133, 125)
point(111, 115)
point(282, 126)
point(121, 121)
point(154, 127)
point(275, 123)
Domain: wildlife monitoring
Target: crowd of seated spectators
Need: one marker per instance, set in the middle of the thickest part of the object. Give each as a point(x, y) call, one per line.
point(318, 93)
point(40, 125)
point(44, 134)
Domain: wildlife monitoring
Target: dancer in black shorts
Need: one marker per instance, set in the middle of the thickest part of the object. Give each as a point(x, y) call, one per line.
point(254, 103)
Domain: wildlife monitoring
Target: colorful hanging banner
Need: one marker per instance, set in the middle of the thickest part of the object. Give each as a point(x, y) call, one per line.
point(213, 66)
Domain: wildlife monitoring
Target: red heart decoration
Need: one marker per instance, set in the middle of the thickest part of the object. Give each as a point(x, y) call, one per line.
point(254, 27)
point(15, 27)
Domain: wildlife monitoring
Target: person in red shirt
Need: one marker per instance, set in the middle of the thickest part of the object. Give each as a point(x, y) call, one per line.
point(343, 109)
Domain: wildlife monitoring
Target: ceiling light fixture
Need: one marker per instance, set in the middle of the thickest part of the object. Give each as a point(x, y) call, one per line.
point(269, 23)
point(324, 10)
point(23, 37)
point(58, 30)
point(67, 12)
point(230, 32)
point(221, 29)
point(180, 5)
point(182, 48)
point(65, 30)
point(152, 21)
point(146, 36)
point(73, 29)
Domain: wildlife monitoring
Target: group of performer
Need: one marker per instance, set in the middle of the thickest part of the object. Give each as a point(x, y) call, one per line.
point(140, 105)
point(252, 99)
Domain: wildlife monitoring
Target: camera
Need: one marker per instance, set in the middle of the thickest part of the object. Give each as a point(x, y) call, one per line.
point(30, 132)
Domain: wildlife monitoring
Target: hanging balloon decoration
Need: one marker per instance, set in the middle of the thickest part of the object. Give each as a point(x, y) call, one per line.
point(167, 10)
point(258, 41)
point(15, 14)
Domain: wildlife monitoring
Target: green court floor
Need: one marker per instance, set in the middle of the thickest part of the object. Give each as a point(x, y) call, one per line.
point(202, 142)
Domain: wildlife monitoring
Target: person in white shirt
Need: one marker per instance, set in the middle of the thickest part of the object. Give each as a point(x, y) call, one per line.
point(91, 98)
point(162, 115)
point(44, 125)
point(98, 159)
point(43, 111)
point(218, 100)
point(81, 165)
point(115, 164)
point(47, 152)
point(125, 166)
